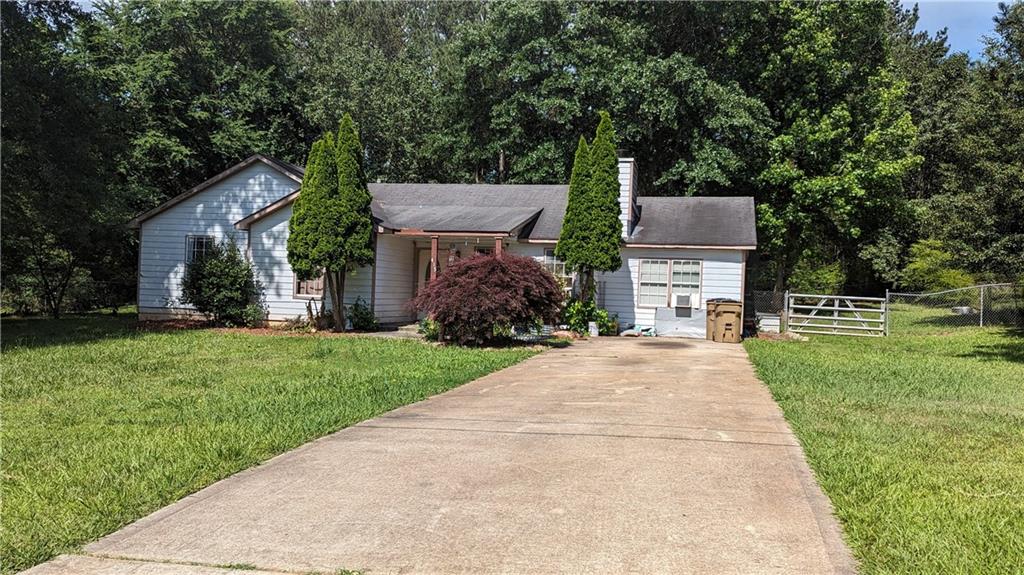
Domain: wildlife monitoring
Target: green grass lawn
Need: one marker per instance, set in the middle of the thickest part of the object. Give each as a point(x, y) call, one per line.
point(103, 424)
point(917, 439)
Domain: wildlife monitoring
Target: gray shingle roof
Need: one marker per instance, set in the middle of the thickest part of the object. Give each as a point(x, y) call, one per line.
point(453, 218)
point(478, 200)
point(707, 221)
point(717, 221)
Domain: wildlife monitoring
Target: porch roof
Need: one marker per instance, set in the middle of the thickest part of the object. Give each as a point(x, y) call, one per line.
point(453, 218)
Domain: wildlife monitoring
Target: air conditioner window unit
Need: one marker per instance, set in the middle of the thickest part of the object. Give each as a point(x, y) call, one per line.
point(681, 300)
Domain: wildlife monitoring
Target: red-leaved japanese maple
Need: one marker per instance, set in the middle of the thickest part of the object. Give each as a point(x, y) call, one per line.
point(478, 298)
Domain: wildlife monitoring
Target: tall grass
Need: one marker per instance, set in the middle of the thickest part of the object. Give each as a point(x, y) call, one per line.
point(103, 424)
point(917, 439)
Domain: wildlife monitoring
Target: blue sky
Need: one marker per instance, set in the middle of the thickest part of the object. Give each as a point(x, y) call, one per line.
point(967, 21)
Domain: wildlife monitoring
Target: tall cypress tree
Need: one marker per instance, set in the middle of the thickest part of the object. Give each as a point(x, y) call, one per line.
point(568, 248)
point(591, 231)
point(305, 244)
point(354, 218)
point(331, 228)
point(604, 187)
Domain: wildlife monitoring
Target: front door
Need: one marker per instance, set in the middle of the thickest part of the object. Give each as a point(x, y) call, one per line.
point(423, 266)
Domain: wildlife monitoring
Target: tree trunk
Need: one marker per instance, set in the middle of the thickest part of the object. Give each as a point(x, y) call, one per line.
point(586, 284)
point(341, 299)
point(336, 287)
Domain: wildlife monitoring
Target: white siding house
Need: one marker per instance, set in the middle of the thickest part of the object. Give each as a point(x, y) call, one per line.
point(164, 238)
point(692, 246)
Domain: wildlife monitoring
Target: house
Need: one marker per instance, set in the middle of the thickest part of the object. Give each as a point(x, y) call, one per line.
point(695, 247)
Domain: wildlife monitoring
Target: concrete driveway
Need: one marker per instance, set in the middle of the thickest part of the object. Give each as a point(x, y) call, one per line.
point(610, 456)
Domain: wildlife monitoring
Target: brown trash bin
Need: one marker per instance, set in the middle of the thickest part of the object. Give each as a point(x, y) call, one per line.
point(710, 326)
point(728, 321)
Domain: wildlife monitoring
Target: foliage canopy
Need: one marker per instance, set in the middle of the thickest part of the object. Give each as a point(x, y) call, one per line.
point(856, 133)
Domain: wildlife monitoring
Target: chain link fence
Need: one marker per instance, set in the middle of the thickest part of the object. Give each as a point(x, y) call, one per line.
point(908, 313)
point(976, 306)
point(764, 309)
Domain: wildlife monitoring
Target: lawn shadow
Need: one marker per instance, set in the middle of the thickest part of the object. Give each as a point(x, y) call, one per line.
point(36, 332)
point(533, 341)
point(1012, 350)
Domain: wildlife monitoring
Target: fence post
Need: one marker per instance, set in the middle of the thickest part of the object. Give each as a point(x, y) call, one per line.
point(981, 307)
point(785, 313)
point(885, 314)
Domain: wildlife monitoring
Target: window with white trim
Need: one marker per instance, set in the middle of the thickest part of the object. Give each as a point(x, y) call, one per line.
point(659, 279)
point(196, 247)
point(653, 283)
point(557, 269)
point(309, 288)
point(686, 279)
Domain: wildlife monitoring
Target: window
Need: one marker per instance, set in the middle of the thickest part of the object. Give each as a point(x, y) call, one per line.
point(658, 276)
point(196, 247)
point(653, 283)
point(557, 269)
point(309, 288)
point(686, 279)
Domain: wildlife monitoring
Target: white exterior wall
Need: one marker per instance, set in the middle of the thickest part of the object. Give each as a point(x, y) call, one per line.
point(721, 277)
point(213, 212)
point(396, 273)
point(627, 192)
point(269, 252)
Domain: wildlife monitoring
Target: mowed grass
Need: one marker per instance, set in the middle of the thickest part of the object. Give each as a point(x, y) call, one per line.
point(103, 424)
point(918, 440)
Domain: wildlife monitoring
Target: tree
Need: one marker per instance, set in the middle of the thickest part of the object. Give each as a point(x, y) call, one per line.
point(591, 230)
point(979, 216)
point(571, 238)
point(931, 268)
point(57, 143)
point(331, 228)
point(481, 298)
point(525, 79)
point(844, 142)
point(382, 62)
point(199, 86)
point(221, 284)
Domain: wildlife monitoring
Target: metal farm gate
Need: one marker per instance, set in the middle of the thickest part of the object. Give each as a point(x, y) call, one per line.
point(835, 315)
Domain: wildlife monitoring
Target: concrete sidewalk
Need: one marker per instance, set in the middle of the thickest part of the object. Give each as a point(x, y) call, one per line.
point(613, 455)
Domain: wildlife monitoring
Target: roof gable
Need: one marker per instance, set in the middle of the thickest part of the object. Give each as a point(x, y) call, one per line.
point(290, 170)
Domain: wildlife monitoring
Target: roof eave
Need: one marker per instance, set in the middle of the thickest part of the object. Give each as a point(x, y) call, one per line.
point(247, 221)
point(137, 221)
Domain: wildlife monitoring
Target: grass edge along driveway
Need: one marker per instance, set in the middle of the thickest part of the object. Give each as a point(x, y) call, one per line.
point(103, 424)
point(918, 440)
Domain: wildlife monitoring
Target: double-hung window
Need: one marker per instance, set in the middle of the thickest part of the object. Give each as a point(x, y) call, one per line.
point(557, 269)
point(659, 279)
point(197, 246)
point(686, 279)
point(653, 283)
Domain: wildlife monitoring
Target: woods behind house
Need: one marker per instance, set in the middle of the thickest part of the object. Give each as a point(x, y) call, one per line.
point(867, 144)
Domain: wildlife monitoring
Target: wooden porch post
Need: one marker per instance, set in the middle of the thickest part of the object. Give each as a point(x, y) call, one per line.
point(497, 246)
point(433, 258)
